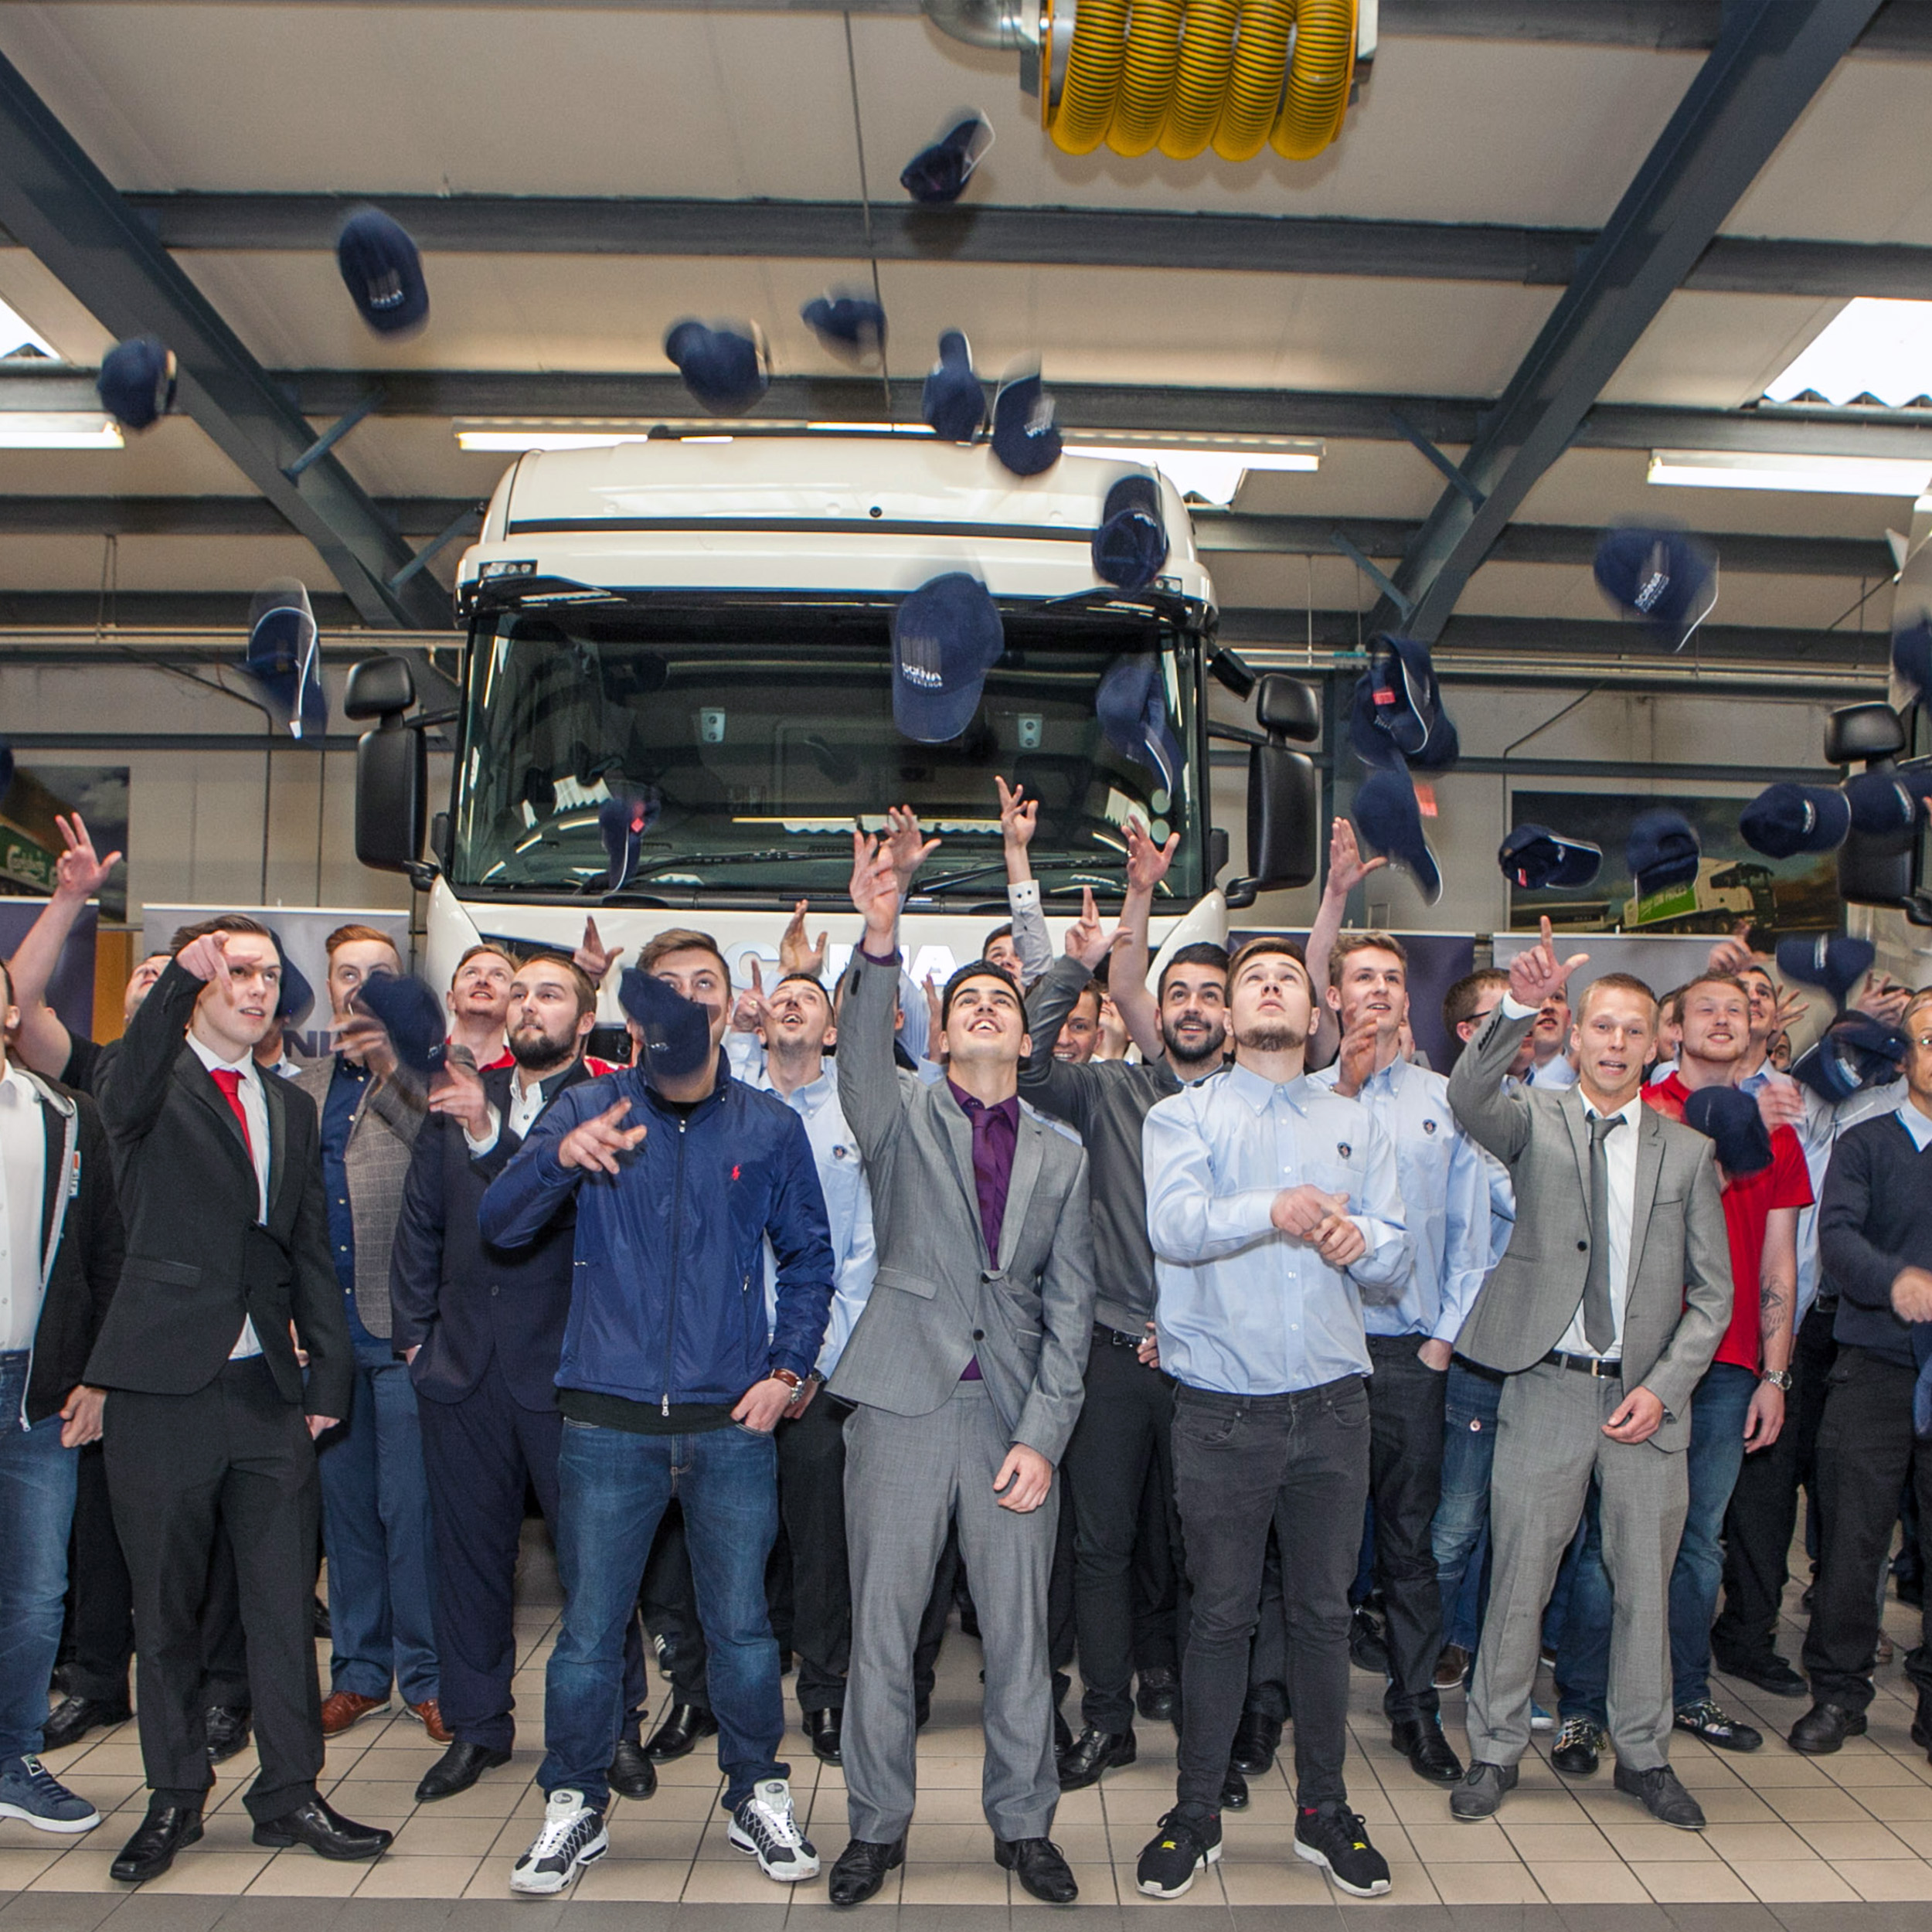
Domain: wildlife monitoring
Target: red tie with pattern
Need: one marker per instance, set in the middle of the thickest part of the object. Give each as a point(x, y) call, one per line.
point(228, 1079)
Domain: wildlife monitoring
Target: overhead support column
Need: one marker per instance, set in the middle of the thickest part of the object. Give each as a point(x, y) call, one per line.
point(1771, 58)
point(55, 202)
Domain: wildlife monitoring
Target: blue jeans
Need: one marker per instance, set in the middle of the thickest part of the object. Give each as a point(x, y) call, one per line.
point(37, 1479)
point(1459, 1537)
point(377, 1531)
point(612, 1487)
point(1719, 1405)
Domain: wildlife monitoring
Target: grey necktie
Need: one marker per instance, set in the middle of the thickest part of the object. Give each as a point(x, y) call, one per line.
point(1599, 1320)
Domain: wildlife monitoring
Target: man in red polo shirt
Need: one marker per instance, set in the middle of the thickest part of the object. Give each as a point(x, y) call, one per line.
point(1738, 1406)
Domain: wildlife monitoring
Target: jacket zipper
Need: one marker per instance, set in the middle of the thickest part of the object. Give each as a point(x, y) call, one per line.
point(677, 1244)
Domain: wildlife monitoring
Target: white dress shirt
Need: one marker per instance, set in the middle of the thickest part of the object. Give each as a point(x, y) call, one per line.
point(526, 1102)
point(1619, 1152)
point(23, 1166)
point(255, 1109)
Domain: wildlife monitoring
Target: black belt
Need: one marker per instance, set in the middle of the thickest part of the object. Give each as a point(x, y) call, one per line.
point(1585, 1365)
point(1113, 1338)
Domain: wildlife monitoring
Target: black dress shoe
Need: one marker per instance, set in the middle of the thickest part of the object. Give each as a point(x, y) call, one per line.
point(1157, 1696)
point(1039, 1866)
point(1824, 1729)
point(1421, 1741)
point(677, 1736)
point(226, 1727)
point(318, 1623)
point(324, 1830)
point(165, 1829)
point(1662, 1795)
point(457, 1769)
point(1063, 1734)
point(826, 1731)
point(860, 1870)
point(1767, 1672)
point(72, 1718)
point(1368, 1647)
point(1256, 1738)
point(631, 1774)
point(1095, 1751)
point(1234, 1791)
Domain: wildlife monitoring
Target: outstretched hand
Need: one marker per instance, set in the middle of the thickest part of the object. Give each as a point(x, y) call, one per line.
point(875, 887)
point(78, 874)
point(1088, 938)
point(1535, 974)
point(597, 1142)
point(748, 1011)
point(1347, 868)
point(1147, 863)
point(909, 850)
point(1018, 816)
point(796, 953)
point(593, 959)
point(206, 958)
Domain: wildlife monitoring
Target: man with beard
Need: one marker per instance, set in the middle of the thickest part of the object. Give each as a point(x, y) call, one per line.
point(1445, 1188)
point(1273, 1208)
point(1123, 1439)
point(481, 1328)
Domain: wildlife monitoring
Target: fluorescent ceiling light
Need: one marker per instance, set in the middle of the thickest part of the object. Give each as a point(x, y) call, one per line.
point(509, 435)
point(540, 436)
point(1211, 472)
point(1870, 347)
point(1744, 470)
point(56, 430)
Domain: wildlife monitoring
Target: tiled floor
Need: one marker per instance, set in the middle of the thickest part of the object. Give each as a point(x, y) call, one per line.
point(1803, 1845)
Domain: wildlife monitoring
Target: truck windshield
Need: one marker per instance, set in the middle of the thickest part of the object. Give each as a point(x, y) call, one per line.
point(759, 734)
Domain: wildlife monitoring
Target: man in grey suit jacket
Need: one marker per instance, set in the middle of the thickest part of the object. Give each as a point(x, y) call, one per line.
point(966, 1369)
point(1604, 1312)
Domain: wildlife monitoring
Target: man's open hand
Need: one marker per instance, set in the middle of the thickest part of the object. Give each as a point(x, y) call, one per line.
point(1535, 974)
point(1347, 868)
point(796, 953)
point(78, 874)
point(1147, 863)
point(875, 888)
point(597, 1142)
point(1023, 1481)
point(909, 850)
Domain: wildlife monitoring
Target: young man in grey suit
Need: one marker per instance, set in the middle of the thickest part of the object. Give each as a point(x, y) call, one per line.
point(1605, 1312)
point(966, 1369)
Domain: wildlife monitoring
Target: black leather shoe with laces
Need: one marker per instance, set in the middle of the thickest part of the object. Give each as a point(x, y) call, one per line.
point(1662, 1796)
point(163, 1832)
point(1040, 1866)
point(1257, 1739)
point(226, 1727)
point(72, 1718)
point(1367, 1648)
point(1188, 1840)
point(632, 1774)
point(1824, 1729)
point(1157, 1696)
point(677, 1735)
point(1093, 1752)
point(860, 1869)
point(1421, 1741)
point(1333, 1837)
point(1482, 1792)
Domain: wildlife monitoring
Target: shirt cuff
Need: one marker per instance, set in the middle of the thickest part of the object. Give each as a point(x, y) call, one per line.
point(876, 959)
point(479, 1149)
point(1022, 895)
point(1514, 1008)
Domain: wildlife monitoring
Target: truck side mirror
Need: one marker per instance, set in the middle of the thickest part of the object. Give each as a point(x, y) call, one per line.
point(1874, 868)
point(1284, 791)
point(392, 768)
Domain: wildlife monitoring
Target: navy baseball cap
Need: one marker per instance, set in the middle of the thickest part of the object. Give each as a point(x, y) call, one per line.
point(411, 1015)
point(852, 326)
point(1130, 545)
point(946, 637)
point(1024, 437)
point(952, 403)
point(623, 819)
point(1857, 1051)
point(382, 270)
point(1540, 860)
point(1131, 706)
point(677, 1031)
point(724, 365)
point(1834, 961)
point(136, 384)
point(937, 175)
point(1663, 850)
point(1665, 577)
point(1732, 1119)
point(1398, 708)
point(298, 997)
point(1912, 656)
point(1784, 820)
point(1388, 815)
point(1887, 801)
point(284, 658)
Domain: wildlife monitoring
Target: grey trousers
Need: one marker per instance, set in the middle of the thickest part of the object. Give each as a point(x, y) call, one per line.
point(907, 1478)
point(1549, 1442)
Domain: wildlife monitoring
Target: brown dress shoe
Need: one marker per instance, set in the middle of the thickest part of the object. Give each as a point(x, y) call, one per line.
point(429, 1713)
point(342, 1709)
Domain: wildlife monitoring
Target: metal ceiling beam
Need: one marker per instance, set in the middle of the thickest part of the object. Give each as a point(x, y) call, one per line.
point(201, 515)
point(56, 203)
point(1770, 60)
point(1158, 239)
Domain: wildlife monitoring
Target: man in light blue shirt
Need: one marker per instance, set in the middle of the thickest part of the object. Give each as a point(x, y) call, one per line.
point(1445, 1195)
point(1274, 1209)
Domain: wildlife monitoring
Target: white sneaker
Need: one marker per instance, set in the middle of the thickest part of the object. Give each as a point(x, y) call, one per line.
point(573, 1837)
point(764, 1826)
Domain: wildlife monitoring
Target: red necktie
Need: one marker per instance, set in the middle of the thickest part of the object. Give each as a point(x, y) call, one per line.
point(228, 1079)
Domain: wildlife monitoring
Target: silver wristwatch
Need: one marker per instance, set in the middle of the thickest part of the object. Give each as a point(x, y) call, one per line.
point(1777, 1378)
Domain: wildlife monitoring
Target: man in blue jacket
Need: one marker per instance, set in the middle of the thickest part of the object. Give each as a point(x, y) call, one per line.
point(671, 1375)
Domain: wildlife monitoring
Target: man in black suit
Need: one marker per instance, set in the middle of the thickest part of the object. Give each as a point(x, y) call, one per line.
point(481, 1328)
point(208, 1424)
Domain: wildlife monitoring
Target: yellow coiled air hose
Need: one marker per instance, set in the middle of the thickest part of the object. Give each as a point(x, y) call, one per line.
point(1239, 75)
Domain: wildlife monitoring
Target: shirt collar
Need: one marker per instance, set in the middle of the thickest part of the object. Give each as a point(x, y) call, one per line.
point(1915, 1123)
point(969, 1105)
point(16, 1089)
point(1259, 1095)
point(211, 1060)
point(1630, 1112)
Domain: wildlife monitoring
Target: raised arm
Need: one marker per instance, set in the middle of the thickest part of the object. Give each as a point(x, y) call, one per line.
point(1064, 1091)
point(869, 1086)
point(580, 1132)
point(1139, 1012)
point(1030, 939)
point(1347, 868)
point(134, 1085)
point(44, 1042)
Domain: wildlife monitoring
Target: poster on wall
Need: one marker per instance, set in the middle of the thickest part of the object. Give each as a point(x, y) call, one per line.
point(1775, 896)
point(30, 842)
point(302, 930)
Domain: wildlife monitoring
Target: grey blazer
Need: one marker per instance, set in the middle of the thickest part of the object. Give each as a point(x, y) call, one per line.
point(936, 1302)
point(381, 1139)
point(1678, 1301)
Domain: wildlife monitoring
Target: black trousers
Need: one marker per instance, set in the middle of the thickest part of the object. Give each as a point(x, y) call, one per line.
point(102, 1596)
point(1405, 1420)
point(1157, 1577)
point(1122, 1442)
point(1300, 1462)
point(1864, 1446)
point(182, 1469)
point(1763, 1507)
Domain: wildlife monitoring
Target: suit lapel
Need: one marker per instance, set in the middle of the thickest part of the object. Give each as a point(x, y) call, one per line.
point(200, 1086)
point(276, 1102)
point(959, 1144)
point(1572, 1104)
point(1027, 1157)
point(1650, 1167)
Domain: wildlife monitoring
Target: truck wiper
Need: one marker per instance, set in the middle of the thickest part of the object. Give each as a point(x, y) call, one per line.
point(765, 856)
